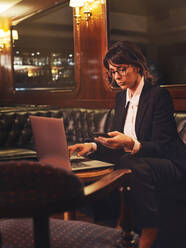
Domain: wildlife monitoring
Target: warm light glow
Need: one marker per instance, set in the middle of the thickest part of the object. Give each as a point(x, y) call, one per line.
point(76, 3)
point(87, 6)
point(77, 15)
point(14, 34)
point(6, 4)
point(5, 38)
point(5, 23)
point(89, 1)
point(81, 3)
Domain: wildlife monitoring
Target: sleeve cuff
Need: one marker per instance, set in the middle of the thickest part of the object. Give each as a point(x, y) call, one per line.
point(94, 148)
point(136, 147)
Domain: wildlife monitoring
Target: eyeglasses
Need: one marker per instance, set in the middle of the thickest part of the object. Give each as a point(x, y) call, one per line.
point(122, 71)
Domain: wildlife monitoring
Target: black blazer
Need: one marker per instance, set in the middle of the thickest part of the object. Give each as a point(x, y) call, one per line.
point(155, 126)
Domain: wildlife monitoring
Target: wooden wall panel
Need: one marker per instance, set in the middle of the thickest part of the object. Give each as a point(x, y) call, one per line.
point(6, 77)
point(179, 97)
point(90, 39)
point(91, 43)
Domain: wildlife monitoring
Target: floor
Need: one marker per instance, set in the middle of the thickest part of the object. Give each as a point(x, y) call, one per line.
point(83, 216)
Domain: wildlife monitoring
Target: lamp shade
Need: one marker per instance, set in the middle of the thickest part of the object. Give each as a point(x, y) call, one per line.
point(14, 34)
point(76, 3)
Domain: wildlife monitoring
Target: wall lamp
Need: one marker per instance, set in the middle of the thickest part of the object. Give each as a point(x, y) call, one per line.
point(5, 34)
point(5, 38)
point(84, 8)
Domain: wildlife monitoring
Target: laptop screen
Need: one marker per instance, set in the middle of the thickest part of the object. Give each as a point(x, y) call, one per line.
point(50, 141)
point(51, 146)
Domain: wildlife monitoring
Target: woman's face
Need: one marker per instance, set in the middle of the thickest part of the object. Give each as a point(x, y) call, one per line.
point(126, 76)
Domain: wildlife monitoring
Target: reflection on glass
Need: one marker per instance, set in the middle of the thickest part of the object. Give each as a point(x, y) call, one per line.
point(159, 28)
point(43, 56)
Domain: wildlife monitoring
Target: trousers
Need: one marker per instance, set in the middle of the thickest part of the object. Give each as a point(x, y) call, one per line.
point(152, 181)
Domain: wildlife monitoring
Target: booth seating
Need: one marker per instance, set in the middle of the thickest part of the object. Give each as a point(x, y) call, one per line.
point(16, 139)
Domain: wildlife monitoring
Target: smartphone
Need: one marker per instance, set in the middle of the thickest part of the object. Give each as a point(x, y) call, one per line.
point(97, 134)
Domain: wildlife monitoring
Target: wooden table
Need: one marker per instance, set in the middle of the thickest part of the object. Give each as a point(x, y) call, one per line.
point(90, 176)
point(87, 177)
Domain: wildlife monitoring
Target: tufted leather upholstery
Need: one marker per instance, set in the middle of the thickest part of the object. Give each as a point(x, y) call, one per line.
point(16, 140)
point(180, 118)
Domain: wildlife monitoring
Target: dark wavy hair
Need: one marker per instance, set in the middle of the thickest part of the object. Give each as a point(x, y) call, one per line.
point(126, 52)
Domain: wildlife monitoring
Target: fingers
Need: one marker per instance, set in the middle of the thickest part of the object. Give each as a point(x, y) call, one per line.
point(84, 149)
point(81, 152)
point(116, 140)
point(104, 140)
point(108, 142)
point(74, 148)
point(81, 149)
point(71, 150)
point(114, 133)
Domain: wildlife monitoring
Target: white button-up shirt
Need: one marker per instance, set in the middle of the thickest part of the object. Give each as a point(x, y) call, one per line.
point(130, 121)
point(129, 127)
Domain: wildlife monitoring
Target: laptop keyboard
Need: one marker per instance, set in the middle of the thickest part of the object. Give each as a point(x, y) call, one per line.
point(75, 157)
point(78, 165)
point(89, 164)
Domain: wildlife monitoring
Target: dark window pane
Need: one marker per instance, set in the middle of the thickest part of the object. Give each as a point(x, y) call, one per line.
point(159, 28)
point(43, 55)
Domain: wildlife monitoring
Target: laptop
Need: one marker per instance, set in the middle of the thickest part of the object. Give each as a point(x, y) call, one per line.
point(51, 146)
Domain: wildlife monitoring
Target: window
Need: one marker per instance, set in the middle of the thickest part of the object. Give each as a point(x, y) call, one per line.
point(159, 28)
point(43, 54)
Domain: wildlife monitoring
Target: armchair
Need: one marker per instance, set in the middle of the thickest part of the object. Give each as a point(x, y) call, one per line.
point(34, 190)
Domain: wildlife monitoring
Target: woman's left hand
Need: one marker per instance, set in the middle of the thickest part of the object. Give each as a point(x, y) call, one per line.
point(117, 140)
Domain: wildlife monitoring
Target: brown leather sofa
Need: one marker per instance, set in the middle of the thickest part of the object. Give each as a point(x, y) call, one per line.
point(16, 140)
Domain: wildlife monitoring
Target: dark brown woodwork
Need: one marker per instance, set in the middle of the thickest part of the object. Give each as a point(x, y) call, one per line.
point(178, 94)
point(90, 41)
point(6, 77)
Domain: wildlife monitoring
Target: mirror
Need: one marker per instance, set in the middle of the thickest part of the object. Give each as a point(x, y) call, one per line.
point(159, 28)
point(43, 54)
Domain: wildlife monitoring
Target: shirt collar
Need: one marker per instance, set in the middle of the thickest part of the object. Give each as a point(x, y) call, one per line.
point(135, 98)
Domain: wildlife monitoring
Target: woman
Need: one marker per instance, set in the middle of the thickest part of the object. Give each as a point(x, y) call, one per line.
point(144, 138)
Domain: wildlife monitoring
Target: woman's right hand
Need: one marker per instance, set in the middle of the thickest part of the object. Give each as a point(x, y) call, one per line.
point(80, 149)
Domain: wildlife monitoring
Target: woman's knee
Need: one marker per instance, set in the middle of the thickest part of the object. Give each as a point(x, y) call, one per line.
point(140, 168)
point(125, 162)
point(129, 161)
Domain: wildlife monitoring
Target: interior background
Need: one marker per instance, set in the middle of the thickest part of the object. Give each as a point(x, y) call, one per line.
point(158, 26)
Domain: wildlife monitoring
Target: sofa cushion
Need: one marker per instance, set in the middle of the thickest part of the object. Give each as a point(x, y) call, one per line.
point(17, 153)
